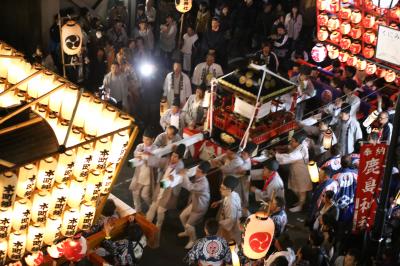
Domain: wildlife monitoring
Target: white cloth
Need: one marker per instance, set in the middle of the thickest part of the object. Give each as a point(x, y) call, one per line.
point(174, 120)
point(203, 73)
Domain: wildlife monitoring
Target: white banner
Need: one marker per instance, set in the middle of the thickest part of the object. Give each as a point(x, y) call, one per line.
point(388, 45)
point(243, 108)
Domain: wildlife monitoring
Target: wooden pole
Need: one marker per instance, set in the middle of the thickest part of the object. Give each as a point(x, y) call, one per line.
point(61, 46)
point(21, 82)
point(181, 31)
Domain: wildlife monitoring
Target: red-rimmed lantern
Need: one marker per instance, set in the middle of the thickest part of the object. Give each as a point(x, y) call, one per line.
point(345, 28)
point(368, 51)
point(352, 60)
point(322, 34)
point(355, 32)
point(378, 22)
point(368, 5)
point(345, 12)
point(343, 56)
point(370, 69)
point(334, 6)
point(380, 72)
point(368, 21)
point(369, 37)
point(322, 19)
point(333, 52)
point(333, 23)
point(345, 43)
point(335, 36)
point(319, 52)
point(355, 47)
point(356, 16)
point(390, 76)
point(361, 65)
point(323, 4)
point(394, 26)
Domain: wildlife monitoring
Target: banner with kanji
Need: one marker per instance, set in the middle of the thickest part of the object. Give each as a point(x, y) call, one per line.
point(370, 172)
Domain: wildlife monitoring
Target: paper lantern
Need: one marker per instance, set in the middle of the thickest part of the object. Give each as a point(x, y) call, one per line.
point(122, 121)
point(390, 76)
point(52, 120)
point(323, 4)
point(183, 6)
point(345, 43)
point(8, 186)
point(56, 99)
point(118, 147)
point(355, 32)
point(108, 117)
point(361, 65)
point(61, 131)
point(21, 214)
point(71, 38)
point(65, 166)
point(34, 84)
point(371, 69)
point(76, 192)
point(380, 72)
point(368, 21)
point(70, 222)
point(334, 6)
point(333, 23)
point(379, 22)
point(92, 124)
point(368, 51)
point(352, 60)
point(3, 251)
point(235, 258)
point(87, 214)
point(385, 3)
point(356, 16)
point(47, 84)
point(75, 137)
point(318, 53)
point(335, 37)
point(371, 118)
point(322, 34)
point(313, 171)
point(16, 245)
point(5, 222)
point(45, 179)
point(322, 19)
point(345, 12)
point(83, 161)
point(58, 201)
point(52, 232)
point(74, 249)
point(34, 259)
point(26, 180)
point(83, 111)
point(40, 206)
point(343, 56)
point(393, 26)
point(258, 235)
point(34, 240)
point(93, 186)
point(107, 180)
point(70, 97)
point(102, 151)
point(5, 62)
point(345, 28)
point(355, 47)
point(333, 53)
point(18, 70)
point(369, 37)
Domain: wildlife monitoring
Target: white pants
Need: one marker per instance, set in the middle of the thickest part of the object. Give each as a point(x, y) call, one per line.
point(187, 62)
point(141, 192)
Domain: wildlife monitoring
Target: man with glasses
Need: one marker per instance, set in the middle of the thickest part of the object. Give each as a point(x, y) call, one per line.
point(385, 127)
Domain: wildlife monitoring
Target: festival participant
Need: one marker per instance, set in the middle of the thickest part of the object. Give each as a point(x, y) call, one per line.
point(272, 182)
point(230, 210)
point(199, 201)
point(189, 40)
point(349, 89)
point(267, 57)
point(173, 117)
point(385, 127)
point(194, 112)
point(332, 164)
point(168, 137)
point(211, 249)
point(177, 85)
point(229, 163)
point(143, 181)
point(167, 40)
point(305, 90)
point(329, 208)
point(297, 159)
point(284, 247)
point(278, 215)
point(204, 72)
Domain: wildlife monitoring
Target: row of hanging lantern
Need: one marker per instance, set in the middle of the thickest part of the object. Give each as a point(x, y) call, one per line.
point(383, 7)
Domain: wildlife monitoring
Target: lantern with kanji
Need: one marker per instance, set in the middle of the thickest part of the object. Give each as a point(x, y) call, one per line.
point(355, 32)
point(93, 186)
point(58, 199)
point(355, 47)
point(335, 37)
point(368, 51)
point(343, 56)
point(385, 3)
point(21, 214)
point(87, 212)
point(345, 28)
point(40, 206)
point(65, 166)
point(107, 180)
point(71, 38)
point(370, 69)
point(8, 186)
point(390, 76)
point(352, 60)
point(322, 34)
point(361, 65)
point(371, 118)
point(83, 161)
point(5, 222)
point(258, 235)
point(76, 192)
point(70, 222)
point(53, 228)
point(3, 251)
point(368, 21)
point(356, 16)
point(333, 23)
point(101, 153)
point(333, 52)
point(16, 245)
point(323, 19)
point(26, 180)
point(369, 37)
point(318, 53)
point(345, 12)
point(345, 43)
point(183, 6)
point(35, 237)
point(45, 179)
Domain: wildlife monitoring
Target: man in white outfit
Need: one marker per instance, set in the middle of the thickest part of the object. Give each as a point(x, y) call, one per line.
point(204, 72)
point(177, 85)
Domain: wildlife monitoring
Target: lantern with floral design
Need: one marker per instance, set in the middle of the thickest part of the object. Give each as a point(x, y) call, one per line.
point(356, 16)
point(323, 19)
point(345, 28)
point(345, 43)
point(343, 56)
point(333, 52)
point(370, 69)
point(335, 36)
point(334, 6)
point(361, 65)
point(368, 21)
point(352, 60)
point(355, 47)
point(322, 34)
point(333, 23)
point(369, 37)
point(323, 4)
point(74, 249)
point(345, 12)
point(318, 53)
point(355, 32)
point(368, 51)
point(390, 76)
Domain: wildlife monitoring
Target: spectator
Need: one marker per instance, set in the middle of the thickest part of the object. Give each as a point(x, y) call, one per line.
point(244, 24)
point(214, 39)
point(97, 70)
point(173, 117)
point(140, 13)
point(177, 85)
point(206, 71)
point(328, 207)
point(304, 256)
point(272, 182)
point(284, 248)
point(145, 32)
point(116, 84)
point(278, 215)
point(267, 57)
point(168, 137)
point(43, 58)
point(293, 24)
point(332, 163)
point(385, 127)
point(265, 19)
point(119, 12)
point(226, 21)
point(194, 110)
point(350, 259)
point(150, 12)
point(280, 39)
point(167, 38)
point(349, 90)
point(117, 35)
point(189, 40)
point(202, 19)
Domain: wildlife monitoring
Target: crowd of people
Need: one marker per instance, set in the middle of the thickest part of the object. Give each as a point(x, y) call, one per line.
point(274, 33)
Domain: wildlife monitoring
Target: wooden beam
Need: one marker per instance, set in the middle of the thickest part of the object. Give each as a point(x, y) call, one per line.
point(21, 125)
point(21, 82)
point(6, 163)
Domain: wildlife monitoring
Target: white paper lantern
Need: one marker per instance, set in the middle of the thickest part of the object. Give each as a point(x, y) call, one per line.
point(8, 187)
point(118, 147)
point(101, 153)
point(183, 6)
point(34, 84)
point(34, 241)
point(83, 161)
point(16, 245)
point(47, 83)
point(40, 206)
point(319, 52)
point(45, 179)
point(5, 222)
point(18, 70)
point(21, 214)
point(75, 137)
point(65, 166)
point(76, 192)
point(87, 214)
point(5, 62)
point(71, 38)
point(58, 201)
point(52, 230)
point(107, 179)
point(93, 186)
point(26, 180)
point(371, 118)
point(385, 3)
point(69, 97)
point(70, 222)
point(313, 171)
point(258, 235)
point(83, 111)
point(3, 251)
point(109, 115)
point(93, 122)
